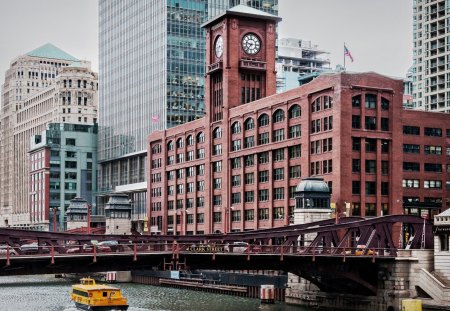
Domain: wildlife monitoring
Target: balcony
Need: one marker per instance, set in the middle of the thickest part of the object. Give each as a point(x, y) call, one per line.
point(252, 64)
point(215, 67)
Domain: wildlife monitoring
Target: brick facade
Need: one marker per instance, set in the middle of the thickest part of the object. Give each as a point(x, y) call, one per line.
point(236, 169)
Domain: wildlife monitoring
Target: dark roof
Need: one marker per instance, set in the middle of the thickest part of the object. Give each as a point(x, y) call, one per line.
point(312, 184)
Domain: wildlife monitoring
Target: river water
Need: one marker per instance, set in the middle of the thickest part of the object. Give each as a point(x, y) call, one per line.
point(45, 293)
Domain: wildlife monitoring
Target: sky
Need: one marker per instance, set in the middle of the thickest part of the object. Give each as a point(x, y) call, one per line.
point(377, 33)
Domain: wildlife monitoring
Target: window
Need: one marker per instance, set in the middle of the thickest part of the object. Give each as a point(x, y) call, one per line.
point(200, 137)
point(71, 154)
point(371, 101)
point(434, 184)
point(190, 155)
point(432, 167)
point(236, 145)
point(236, 180)
point(295, 151)
point(431, 131)
point(235, 163)
point(278, 116)
point(278, 193)
point(411, 148)
point(180, 204)
point(236, 216)
point(217, 217)
point(384, 167)
point(249, 178)
point(180, 143)
point(294, 111)
point(217, 200)
point(201, 169)
point(278, 154)
point(180, 189)
point(411, 166)
point(292, 190)
point(236, 128)
point(200, 202)
point(264, 176)
point(249, 160)
point(201, 153)
point(263, 157)
point(217, 133)
point(170, 175)
point(236, 198)
point(170, 160)
point(371, 209)
point(217, 149)
point(249, 215)
point(201, 185)
point(217, 183)
point(263, 195)
point(371, 145)
point(70, 141)
point(71, 164)
point(356, 187)
point(263, 120)
point(371, 188)
point(294, 171)
point(190, 140)
point(433, 150)
point(278, 135)
point(263, 214)
point(278, 174)
point(384, 104)
point(327, 144)
point(249, 124)
point(200, 218)
point(411, 130)
point(190, 187)
point(294, 131)
point(384, 146)
point(356, 101)
point(328, 123)
point(411, 183)
point(384, 188)
point(278, 213)
point(371, 123)
point(327, 166)
point(217, 166)
point(249, 141)
point(356, 165)
point(356, 143)
point(384, 124)
point(180, 157)
point(249, 196)
point(371, 166)
point(356, 122)
point(327, 102)
point(263, 138)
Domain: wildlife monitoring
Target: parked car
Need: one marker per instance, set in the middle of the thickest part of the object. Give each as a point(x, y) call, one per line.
point(361, 250)
point(236, 247)
point(85, 248)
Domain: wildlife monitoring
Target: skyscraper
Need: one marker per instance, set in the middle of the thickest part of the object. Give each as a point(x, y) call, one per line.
point(431, 73)
point(152, 67)
point(43, 86)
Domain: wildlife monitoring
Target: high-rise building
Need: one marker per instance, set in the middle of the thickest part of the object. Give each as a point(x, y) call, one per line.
point(62, 167)
point(431, 73)
point(298, 58)
point(152, 66)
point(43, 86)
point(238, 168)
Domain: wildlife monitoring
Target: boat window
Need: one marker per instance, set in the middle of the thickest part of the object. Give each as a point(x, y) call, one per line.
point(105, 294)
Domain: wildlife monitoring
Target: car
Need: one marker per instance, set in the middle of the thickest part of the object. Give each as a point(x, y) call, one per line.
point(107, 246)
point(85, 248)
point(4, 251)
point(361, 250)
point(236, 247)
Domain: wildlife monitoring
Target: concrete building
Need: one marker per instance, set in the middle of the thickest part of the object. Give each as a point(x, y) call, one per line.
point(238, 167)
point(431, 55)
point(62, 167)
point(43, 86)
point(297, 58)
point(153, 76)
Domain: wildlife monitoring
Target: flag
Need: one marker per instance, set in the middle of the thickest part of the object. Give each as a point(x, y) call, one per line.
point(347, 53)
point(155, 118)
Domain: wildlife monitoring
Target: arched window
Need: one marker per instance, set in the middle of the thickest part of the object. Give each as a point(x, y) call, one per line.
point(190, 140)
point(263, 120)
point(249, 124)
point(217, 133)
point(156, 149)
point(180, 143)
point(200, 137)
point(278, 116)
point(295, 111)
point(327, 102)
point(236, 128)
point(170, 145)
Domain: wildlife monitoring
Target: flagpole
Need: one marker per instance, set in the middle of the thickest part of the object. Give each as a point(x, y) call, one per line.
point(344, 57)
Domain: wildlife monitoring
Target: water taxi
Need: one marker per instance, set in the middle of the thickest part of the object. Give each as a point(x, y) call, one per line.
point(92, 297)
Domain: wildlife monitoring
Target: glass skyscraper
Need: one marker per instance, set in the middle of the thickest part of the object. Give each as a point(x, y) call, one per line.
point(152, 67)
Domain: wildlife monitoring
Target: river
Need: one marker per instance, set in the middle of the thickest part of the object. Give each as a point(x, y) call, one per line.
point(45, 293)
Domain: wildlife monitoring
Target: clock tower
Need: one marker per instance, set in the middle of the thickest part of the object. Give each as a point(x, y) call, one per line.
point(240, 59)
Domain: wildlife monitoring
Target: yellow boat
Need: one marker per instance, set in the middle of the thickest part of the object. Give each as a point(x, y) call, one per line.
point(97, 297)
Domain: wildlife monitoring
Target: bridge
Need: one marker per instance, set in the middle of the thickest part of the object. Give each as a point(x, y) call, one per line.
point(342, 257)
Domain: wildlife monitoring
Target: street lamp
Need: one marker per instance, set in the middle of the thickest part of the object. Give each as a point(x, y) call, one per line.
point(89, 219)
point(55, 210)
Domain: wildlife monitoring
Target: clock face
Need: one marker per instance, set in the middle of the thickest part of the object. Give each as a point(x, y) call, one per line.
point(251, 44)
point(219, 46)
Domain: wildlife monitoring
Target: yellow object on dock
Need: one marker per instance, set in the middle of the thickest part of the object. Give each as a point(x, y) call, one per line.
point(411, 305)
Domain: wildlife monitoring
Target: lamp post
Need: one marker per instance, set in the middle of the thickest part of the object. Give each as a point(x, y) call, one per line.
point(89, 219)
point(55, 210)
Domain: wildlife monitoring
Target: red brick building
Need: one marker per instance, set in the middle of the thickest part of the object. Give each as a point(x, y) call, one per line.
point(237, 168)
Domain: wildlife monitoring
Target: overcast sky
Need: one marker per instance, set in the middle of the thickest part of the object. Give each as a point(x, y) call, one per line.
point(377, 33)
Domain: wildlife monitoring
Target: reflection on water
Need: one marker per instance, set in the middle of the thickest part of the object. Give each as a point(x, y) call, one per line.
point(45, 293)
